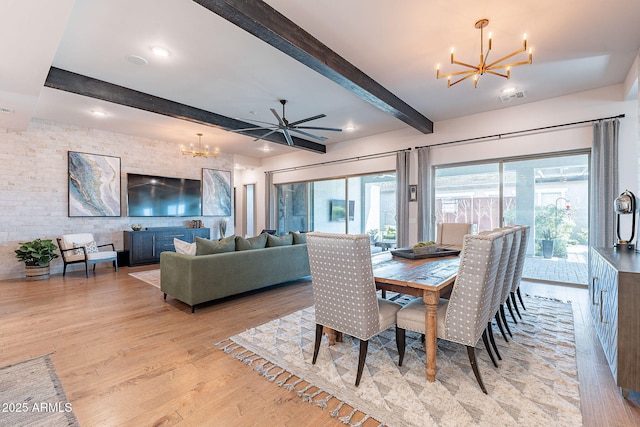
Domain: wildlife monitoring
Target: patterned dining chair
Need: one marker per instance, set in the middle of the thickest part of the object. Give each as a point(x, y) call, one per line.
point(517, 275)
point(451, 234)
point(509, 276)
point(344, 291)
point(463, 317)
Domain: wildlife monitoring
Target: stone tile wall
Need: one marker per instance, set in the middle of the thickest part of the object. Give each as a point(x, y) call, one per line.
point(33, 185)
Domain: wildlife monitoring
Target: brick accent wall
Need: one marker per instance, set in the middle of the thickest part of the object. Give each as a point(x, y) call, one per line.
point(34, 183)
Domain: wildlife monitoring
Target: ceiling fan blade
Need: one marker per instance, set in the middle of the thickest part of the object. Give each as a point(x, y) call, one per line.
point(319, 138)
point(258, 121)
point(265, 135)
point(319, 128)
point(308, 119)
point(253, 128)
point(287, 137)
point(275, 113)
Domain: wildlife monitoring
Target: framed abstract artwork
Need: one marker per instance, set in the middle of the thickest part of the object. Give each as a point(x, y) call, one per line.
point(216, 192)
point(94, 185)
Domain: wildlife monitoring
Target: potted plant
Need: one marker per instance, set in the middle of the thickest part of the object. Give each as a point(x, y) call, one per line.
point(37, 256)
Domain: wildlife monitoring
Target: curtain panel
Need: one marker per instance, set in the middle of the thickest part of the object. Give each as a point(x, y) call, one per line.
point(425, 232)
point(402, 189)
point(604, 183)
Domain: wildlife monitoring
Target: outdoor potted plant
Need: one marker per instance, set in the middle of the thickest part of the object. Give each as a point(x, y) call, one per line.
point(37, 256)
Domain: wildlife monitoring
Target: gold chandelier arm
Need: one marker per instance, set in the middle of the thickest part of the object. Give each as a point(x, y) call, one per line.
point(506, 76)
point(470, 74)
point(512, 64)
point(522, 49)
point(457, 73)
point(475, 67)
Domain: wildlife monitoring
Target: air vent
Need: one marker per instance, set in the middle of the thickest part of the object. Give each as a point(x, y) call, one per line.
point(6, 110)
point(508, 97)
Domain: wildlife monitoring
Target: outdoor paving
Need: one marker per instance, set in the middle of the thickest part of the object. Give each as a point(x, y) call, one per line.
point(573, 269)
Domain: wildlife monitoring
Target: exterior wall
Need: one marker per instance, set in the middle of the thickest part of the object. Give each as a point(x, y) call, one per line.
point(604, 102)
point(33, 185)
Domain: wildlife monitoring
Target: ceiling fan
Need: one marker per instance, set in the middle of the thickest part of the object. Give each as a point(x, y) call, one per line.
point(286, 127)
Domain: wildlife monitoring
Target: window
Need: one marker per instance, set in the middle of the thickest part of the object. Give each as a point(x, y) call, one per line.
point(550, 194)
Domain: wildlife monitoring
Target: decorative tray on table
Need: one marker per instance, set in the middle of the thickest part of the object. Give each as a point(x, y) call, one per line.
point(408, 253)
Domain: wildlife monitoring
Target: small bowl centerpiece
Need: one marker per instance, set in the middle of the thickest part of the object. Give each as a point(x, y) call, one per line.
point(136, 227)
point(422, 248)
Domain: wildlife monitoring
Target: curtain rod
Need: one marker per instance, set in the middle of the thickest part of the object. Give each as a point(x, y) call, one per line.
point(331, 162)
point(501, 135)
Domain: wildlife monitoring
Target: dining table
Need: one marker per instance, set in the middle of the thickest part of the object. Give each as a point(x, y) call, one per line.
point(428, 277)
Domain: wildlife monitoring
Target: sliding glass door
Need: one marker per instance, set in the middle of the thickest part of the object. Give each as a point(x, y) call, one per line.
point(351, 205)
point(550, 194)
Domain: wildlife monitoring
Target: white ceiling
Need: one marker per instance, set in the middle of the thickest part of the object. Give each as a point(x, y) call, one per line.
point(577, 45)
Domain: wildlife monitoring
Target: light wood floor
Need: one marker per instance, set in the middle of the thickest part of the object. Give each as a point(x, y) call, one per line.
point(127, 358)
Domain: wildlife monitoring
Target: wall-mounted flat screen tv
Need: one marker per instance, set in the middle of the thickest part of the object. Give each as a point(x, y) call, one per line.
point(149, 195)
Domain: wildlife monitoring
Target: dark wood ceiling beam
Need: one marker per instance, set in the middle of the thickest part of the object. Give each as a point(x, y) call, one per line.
point(266, 23)
point(87, 86)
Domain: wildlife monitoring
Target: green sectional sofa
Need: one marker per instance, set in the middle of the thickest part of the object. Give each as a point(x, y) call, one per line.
point(195, 279)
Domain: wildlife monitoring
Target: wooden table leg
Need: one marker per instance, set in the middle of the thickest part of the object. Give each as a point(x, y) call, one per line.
point(333, 335)
point(431, 300)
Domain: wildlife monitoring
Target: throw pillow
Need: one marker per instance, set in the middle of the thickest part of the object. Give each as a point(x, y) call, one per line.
point(298, 237)
point(285, 240)
point(183, 247)
point(207, 247)
point(90, 247)
point(256, 242)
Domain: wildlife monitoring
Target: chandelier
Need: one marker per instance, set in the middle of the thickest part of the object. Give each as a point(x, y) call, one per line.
point(200, 152)
point(475, 71)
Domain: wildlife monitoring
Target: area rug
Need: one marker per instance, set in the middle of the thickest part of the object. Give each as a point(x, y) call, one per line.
point(151, 277)
point(536, 382)
point(31, 395)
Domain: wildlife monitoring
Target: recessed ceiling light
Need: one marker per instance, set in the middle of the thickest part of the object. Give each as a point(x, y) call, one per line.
point(350, 128)
point(98, 113)
point(160, 51)
point(507, 90)
point(266, 149)
point(138, 60)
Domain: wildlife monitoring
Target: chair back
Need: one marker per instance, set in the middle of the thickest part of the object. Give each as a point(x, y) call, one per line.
point(522, 252)
point(452, 234)
point(469, 307)
point(71, 241)
point(512, 261)
point(344, 291)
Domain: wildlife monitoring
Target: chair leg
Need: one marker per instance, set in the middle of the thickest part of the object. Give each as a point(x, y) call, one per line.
point(520, 298)
point(364, 345)
point(511, 310)
point(499, 322)
point(485, 340)
point(401, 343)
point(86, 270)
point(115, 264)
point(492, 339)
point(64, 269)
point(471, 351)
point(165, 296)
point(513, 300)
point(316, 346)
point(504, 320)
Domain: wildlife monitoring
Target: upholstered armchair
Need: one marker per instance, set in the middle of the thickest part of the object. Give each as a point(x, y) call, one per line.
point(344, 291)
point(450, 234)
point(463, 317)
point(82, 248)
